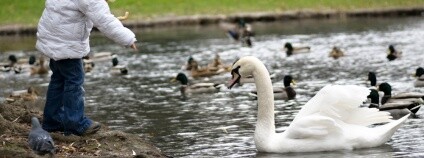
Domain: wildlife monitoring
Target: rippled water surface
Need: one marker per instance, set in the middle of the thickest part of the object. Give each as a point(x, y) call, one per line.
point(146, 103)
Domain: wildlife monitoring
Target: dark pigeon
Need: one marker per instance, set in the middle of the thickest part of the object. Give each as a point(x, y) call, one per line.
point(40, 140)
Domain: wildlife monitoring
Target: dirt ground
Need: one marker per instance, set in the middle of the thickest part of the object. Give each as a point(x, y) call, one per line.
point(15, 126)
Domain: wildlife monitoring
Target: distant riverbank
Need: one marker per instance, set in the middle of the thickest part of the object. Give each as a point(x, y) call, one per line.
point(248, 17)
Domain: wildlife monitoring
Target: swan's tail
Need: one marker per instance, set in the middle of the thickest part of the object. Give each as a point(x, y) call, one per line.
point(385, 132)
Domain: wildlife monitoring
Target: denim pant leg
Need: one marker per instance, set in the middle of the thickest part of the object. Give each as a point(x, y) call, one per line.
point(73, 96)
point(53, 110)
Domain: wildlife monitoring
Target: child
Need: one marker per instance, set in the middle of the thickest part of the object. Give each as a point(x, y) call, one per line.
point(63, 36)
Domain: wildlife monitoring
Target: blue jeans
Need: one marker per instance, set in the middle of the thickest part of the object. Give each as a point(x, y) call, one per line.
point(64, 109)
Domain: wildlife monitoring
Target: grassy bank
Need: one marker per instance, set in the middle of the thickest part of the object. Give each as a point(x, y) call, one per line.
point(28, 12)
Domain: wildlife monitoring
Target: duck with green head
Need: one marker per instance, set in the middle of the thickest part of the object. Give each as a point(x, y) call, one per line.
point(290, 50)
point(393, 53)
point(116, 68)
point(419, 74)
point(187, 88)
point(12, 65)
point(410, 100)
point(396, 110)
point(372, 77)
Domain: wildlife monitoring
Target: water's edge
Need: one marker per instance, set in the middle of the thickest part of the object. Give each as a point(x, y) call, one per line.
point(248, 17)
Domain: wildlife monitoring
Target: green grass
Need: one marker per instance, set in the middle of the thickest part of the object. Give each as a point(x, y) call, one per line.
point(28, 11)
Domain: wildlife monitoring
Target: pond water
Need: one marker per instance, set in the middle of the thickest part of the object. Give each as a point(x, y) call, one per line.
point(146, 103)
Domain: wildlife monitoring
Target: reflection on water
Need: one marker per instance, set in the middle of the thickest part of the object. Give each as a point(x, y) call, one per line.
point(146, 103)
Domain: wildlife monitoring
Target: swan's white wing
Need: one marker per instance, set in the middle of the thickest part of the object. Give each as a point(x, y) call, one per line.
point(341, 102)
point(313, 126)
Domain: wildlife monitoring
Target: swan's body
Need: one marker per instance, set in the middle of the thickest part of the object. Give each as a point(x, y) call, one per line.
point(331, 120)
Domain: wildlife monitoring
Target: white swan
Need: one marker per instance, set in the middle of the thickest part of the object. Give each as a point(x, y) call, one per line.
point(331, 120)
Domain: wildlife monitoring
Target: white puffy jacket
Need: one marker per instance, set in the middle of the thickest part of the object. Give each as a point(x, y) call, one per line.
point(65, 25)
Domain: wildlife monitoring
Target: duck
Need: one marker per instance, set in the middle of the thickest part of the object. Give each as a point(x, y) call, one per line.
point(397, 110)
point(217, 64)
point(187, 88)
point(403, 99)
point(372, 77)
point(240, 32)
point(286, 93)
point(419, 74)
point(13, 65)
point(189, 65)
point(290, 50)
point(197, 72)
point(116, 68)
point(29, 94)
point(88, 64)
point(393, 53)
point(336, 53)
point(331, 120)
point(39, 68)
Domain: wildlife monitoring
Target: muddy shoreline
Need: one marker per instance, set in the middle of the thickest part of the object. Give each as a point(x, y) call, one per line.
point(8, 30)
point(15, 126)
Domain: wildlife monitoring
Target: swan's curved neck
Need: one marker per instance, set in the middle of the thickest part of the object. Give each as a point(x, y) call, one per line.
point(265, 123)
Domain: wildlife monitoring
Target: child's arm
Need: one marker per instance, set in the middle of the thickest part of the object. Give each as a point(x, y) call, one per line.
point(99, 13)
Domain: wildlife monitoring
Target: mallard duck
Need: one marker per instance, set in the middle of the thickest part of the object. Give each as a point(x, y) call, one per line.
point(336, 53)
point(331, 120)
point(286, 93)
point(290, 50)
point(116, 68)
point(189, 65)
point(12, 65)
point(396, 110)
point(32, 60)
point(403, 98)
point(393, 53)
point(242, 32)
point(88, 64)
point(197, 72)
point(40, 68)
point(372, 77)
point(27, 95)
point(217, 65)
point(419, 73)
point(187, 88)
